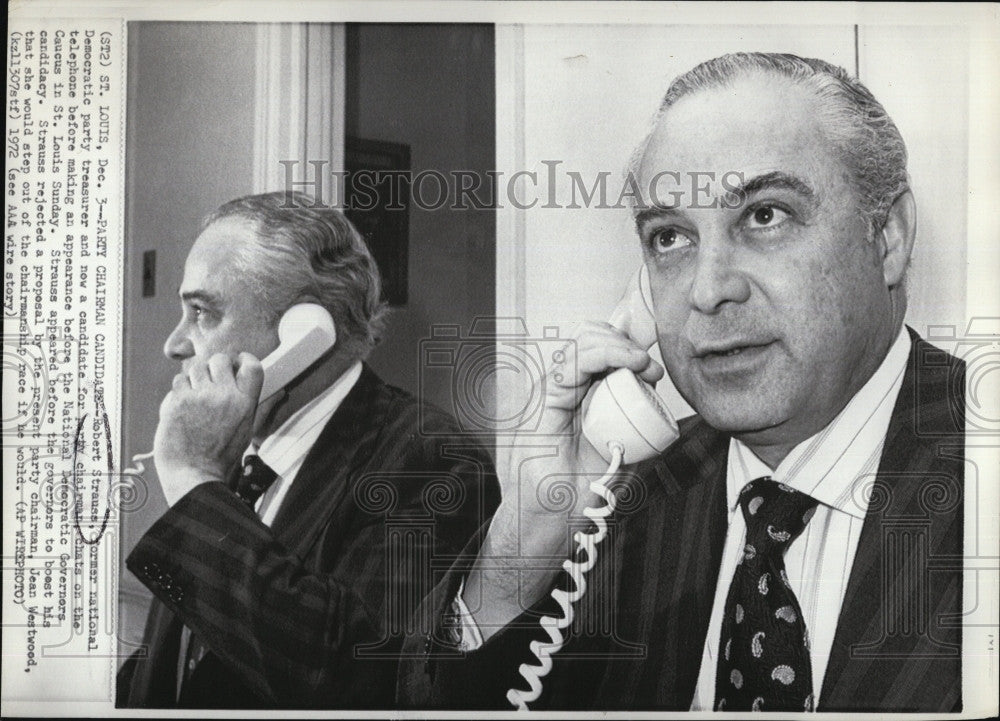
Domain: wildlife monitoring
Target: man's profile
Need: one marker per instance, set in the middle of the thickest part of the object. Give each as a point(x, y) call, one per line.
point(279, 580)
point(768, 567)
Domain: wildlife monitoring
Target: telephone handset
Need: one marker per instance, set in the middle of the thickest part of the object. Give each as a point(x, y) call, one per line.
point(626, 422)
point(305, 332)
point(623, 408)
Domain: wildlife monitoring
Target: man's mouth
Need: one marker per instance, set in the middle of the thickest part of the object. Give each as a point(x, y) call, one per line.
point(728, 349)
point(725, 355)
point(731, 351)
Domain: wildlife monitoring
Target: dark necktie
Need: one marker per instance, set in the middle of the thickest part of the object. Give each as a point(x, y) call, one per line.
point(764, 660)
point(254, 478)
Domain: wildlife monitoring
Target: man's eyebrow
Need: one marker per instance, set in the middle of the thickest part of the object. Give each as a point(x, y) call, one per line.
point(776, 180)
point(203, 296)
point(655, 211)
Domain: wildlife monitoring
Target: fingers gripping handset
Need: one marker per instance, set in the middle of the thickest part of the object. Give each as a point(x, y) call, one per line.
point(306, 332)
point(626, 422)
point(624, 409)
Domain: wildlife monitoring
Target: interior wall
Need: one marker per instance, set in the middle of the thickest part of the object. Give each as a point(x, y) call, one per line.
point(189, 149)
point(912, 70)
point(431, 87)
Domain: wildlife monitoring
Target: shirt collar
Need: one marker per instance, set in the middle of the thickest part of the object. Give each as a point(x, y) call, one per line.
point(833, 465)
point(284, 449)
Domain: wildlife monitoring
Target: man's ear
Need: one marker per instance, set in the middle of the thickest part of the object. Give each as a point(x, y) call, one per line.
point(896, 239)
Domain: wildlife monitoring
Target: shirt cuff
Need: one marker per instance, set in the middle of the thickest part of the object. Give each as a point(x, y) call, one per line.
point(471, 638)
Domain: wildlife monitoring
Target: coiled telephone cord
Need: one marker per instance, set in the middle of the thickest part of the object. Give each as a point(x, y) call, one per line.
point(577, 570)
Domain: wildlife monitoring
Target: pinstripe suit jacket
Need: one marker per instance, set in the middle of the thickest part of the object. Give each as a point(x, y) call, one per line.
point(312, 611)
point(639, 633)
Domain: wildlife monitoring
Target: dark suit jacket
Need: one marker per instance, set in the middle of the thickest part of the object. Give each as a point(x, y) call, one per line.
point(639, 632)
point(312, 611)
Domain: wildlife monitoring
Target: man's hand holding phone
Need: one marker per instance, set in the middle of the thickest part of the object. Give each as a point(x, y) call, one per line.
point(525, 529)
point(206, 422)
point(596, 350)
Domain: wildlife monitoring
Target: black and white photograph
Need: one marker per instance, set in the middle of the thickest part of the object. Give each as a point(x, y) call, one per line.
point(574, 358)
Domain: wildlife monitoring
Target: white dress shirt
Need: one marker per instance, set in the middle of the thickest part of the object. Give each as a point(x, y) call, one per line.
point(836, 467)
point(284, 451)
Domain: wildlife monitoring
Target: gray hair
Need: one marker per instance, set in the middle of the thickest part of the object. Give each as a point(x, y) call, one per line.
point(306, 251)
point(862, 133)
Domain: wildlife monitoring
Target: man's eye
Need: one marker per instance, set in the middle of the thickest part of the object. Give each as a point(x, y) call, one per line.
point(766, 216)
point(668, 239)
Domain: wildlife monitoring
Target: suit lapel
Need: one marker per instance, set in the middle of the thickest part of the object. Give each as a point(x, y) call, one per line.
point(870, 667)
point(700, 470)
point(683, 536)
point(320, 485)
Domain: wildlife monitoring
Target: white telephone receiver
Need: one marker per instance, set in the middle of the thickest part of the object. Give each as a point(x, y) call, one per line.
point(306, 331)
point(624, 409)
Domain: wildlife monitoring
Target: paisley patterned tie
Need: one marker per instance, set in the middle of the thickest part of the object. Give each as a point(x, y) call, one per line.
point(764, 660)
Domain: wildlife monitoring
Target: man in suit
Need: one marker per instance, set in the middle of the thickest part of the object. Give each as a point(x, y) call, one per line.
point(284, 575)
point(799, 547)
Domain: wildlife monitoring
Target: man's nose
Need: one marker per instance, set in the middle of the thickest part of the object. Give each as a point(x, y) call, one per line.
point(718, 279)
point(178, 346)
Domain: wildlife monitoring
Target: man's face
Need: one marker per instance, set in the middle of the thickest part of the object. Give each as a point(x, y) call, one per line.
point(771, 314)
point(219, 313)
